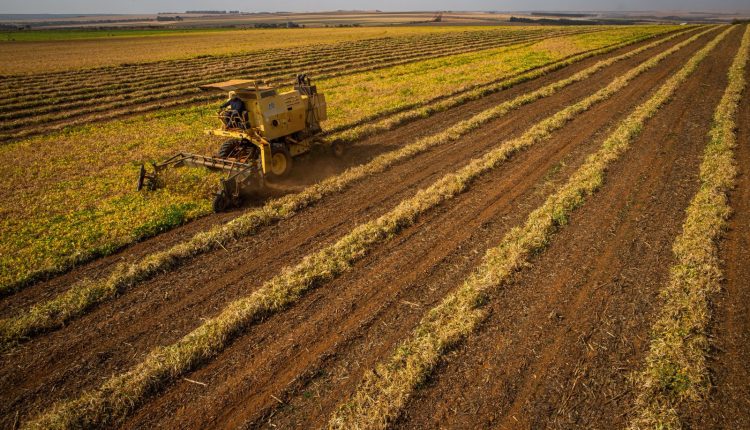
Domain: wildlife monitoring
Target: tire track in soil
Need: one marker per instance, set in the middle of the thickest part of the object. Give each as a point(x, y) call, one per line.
point(118, 334)
point(356, 319)
point(308, 170)
point(562, 338)
point(728, 406)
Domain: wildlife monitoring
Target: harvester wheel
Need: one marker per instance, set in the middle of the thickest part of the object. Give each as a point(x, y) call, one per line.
point(281, 162)
point(221, 201)
point(227, 148)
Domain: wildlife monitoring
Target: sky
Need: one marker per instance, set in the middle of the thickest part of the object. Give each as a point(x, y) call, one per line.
point(152, 6)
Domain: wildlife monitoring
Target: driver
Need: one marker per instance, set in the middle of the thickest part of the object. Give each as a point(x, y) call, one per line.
point(234, 117)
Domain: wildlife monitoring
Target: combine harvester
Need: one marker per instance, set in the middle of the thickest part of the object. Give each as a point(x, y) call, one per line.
point(262, 141)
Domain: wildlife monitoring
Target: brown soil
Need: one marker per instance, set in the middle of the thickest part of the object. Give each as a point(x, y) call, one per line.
point(563, 338)
point(729, 403)
point(295, 366)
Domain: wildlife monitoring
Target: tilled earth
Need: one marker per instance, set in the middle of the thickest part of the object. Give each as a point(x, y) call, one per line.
point(561, 339)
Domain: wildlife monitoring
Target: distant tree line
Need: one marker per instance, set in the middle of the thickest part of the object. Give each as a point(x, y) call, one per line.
point(212, 12)
point(564, 21)
point(568, 15)
point(289, 24)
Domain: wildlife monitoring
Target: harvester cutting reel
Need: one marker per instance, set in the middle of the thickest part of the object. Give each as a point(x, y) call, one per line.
point(242, 177)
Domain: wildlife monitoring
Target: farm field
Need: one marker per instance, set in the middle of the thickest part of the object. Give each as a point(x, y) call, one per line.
point(40, 51)
point(531, 227)
point(80, 196)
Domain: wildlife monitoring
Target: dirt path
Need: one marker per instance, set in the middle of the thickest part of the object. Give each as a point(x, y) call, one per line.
point(118, 334)
point(729, 362)
point(564, 336)
point(342, 328)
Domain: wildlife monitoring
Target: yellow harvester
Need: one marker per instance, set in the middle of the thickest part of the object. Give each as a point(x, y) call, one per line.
point(261, 141)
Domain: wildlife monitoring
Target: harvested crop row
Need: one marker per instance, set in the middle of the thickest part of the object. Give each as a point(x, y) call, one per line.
point(33, 125)
point(351, 134)
point(114, 110)
point(121, 393)
point(107, 101)
point(78, 299)
point(61, 121)
point(131, 75)
point(675, 369)
point(116, 72)
point(69, 88)
point(265, 70)
point(383, 393)
point(261, 70)
point(135, 74)
point(172, 80)
point(185, 93)
point(199, 45)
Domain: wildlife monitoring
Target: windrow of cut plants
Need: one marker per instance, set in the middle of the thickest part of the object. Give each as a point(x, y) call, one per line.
point(180, 87)
point(385, 390)
point(676, 371)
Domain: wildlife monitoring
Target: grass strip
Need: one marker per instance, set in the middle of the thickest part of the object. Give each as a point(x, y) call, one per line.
point(55, 312)
point(121, 393)
point(383, 392)
point(675, 369)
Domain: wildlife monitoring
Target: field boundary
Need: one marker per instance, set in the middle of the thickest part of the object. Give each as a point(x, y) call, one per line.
point(121, 393)
point(675, 368)
point(384, 391)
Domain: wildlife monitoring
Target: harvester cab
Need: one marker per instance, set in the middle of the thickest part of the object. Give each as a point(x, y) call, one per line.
point(264, 130)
